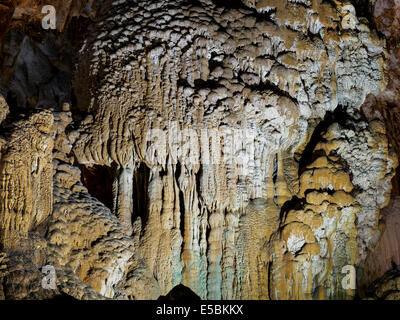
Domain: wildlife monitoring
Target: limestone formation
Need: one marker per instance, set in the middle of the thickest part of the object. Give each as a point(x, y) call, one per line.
point(232, 147)
point(386, 254)
point(4, 110)
point(386, 287)
point(6, 13)
point(217, 103)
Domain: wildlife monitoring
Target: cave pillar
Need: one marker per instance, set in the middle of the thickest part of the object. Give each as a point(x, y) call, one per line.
point(123, 195)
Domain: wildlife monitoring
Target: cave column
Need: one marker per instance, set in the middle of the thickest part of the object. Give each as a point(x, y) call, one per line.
point(123, 195)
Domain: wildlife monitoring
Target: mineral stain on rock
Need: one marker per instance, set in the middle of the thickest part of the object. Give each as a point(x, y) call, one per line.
point(226, 149)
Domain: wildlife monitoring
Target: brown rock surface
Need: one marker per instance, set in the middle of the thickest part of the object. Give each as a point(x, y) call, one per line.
point(30, 11)
point(156, 97)
point(208, 144)
point(386, 106)
point(6, 13)
point(387, 287)
point(386, 255)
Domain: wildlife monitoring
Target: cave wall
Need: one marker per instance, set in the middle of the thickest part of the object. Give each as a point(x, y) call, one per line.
point(195, 74)
point(242, 149)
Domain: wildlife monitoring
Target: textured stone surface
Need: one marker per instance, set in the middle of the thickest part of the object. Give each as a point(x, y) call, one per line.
point(4, 109)
point(6, 13)
point(210, 144)
point(386, 106)
point(30, 11)
point(256, 82)
point(386, 255)
point(386, 287)
point(26, 178)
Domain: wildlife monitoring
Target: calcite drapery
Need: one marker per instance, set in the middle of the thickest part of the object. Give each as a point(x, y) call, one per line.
point(236, 160)
point(219, 104)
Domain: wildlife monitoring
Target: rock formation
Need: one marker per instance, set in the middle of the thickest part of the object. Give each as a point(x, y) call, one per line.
point(235, 148)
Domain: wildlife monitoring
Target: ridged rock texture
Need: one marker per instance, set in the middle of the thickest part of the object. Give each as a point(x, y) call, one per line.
point(240, 148)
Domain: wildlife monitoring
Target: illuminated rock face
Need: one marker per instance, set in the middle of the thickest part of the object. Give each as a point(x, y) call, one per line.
point(221, 149)
point(245, 196)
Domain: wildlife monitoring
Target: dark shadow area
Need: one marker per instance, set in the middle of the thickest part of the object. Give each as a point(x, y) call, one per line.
point(293, 204)
point(62, 297)
point(396, 183)
point(231, 4)
point(308, 155)
point(365, 9)
point(99, 180)
point(140, 196)
point(180, 293)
